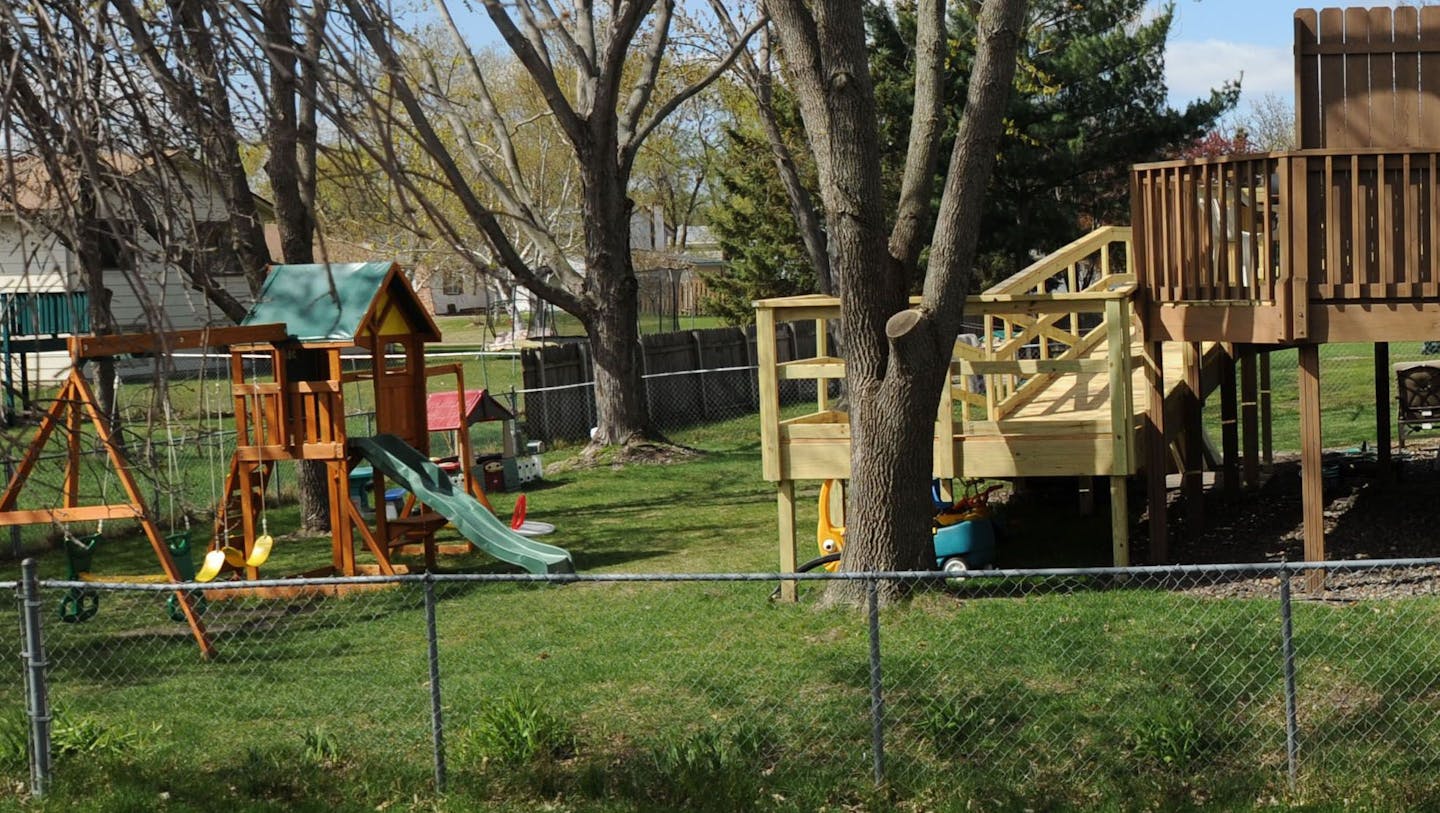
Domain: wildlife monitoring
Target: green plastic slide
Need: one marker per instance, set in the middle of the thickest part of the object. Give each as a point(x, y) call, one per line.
point(395, 459)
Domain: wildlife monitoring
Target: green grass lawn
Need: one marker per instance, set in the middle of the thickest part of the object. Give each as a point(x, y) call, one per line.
point(1347, 395)
point(708, 696)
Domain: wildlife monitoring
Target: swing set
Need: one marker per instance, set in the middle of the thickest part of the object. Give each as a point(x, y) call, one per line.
point(306, 325)
point(75, 405)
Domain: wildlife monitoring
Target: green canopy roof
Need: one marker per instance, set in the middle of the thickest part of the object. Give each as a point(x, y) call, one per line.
point(330, 302)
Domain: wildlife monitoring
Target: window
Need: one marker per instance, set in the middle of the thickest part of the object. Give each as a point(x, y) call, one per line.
point(453, 284)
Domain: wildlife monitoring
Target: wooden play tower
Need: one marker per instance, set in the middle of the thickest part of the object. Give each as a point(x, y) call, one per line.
point(1097, 359)
point(1336, 241)
point(293, 408)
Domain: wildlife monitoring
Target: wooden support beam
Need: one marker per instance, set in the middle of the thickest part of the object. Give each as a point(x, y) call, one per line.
point(48, 422)
point(1119, 522)
point(1192, 486)
point(1312, 494)
point(769, 396)
point(137, 500)
point(1267, 414)
point(88, 347)
point(785, 503)
point(1383, 407)
point(81, 513)
point(1229, 423)
point(1156, 446)
point(1249, 418)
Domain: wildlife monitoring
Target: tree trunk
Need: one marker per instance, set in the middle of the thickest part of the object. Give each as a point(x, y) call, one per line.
point(614, 333)
point(612, 296)
point(290, 167)
point(897, 356)
point(310, 475)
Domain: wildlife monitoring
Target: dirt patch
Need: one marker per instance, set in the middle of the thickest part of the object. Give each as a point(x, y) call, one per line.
point(635, 451)
point(1366, 517)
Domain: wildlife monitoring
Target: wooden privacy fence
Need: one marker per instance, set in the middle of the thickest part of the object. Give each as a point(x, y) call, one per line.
point(691, 377)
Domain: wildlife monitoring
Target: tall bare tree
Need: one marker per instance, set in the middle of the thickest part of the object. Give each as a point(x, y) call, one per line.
point(897, 355)
point(178, 84)
point(598, 69)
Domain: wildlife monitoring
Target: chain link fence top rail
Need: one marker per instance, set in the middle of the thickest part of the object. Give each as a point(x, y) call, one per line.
point(1142, 687)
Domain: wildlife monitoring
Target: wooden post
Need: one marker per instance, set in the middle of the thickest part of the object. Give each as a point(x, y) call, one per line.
point(1267, 434)
point(1382, 410)
point(1249, 418)
point(1156, 447)
point(822, 349)
point(1119, 521)
point(1193, 484)
point(1312, 495)
point(1122, 420)
point(1229, 423)
point(785, 502)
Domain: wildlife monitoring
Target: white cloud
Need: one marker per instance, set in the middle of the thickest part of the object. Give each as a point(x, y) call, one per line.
point(1193, 68)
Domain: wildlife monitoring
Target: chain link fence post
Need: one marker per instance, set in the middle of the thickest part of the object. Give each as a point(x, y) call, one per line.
point(1287, 649)
point(37, 701)
point(877, 699)
point(437, 723)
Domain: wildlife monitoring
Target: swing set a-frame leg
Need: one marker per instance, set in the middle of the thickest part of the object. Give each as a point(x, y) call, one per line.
point(152, 532)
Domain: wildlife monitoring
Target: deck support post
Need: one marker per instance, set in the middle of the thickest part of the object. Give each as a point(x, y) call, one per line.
point(1312, 494)
point(1119, 521)
point(1382, 411)
point(1267, 434)
point(1229, 423)
point(1193, 484)
point(1249, 418)
point(1156, 451)
point(785, 502)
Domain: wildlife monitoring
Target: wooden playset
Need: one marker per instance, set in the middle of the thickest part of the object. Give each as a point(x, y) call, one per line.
point(306, 319)
point(1227, 259)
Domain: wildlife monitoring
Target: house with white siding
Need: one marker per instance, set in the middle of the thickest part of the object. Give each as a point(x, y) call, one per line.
point(148, 295)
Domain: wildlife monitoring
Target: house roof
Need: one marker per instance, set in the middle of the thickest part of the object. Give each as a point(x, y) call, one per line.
point(35, 190)
point(339, 302)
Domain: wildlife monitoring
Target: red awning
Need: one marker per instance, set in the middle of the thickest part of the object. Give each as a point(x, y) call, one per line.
point(441, 414)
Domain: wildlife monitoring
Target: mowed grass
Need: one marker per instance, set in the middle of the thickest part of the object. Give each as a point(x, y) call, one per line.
point(708, 696)
point(1347, 395)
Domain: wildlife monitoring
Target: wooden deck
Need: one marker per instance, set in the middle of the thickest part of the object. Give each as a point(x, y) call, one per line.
point(1047, 391)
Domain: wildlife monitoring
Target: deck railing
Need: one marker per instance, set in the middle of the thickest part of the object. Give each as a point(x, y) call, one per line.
point(1042, 322)
point(1288, 229)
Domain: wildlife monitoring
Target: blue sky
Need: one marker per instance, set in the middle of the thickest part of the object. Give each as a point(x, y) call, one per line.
point(1211, 41)
point(1215, 40)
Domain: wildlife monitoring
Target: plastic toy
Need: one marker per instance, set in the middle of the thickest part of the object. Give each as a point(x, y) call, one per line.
point(963, 531)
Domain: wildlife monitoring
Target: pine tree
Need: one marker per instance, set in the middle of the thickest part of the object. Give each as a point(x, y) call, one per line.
point(1089, 100)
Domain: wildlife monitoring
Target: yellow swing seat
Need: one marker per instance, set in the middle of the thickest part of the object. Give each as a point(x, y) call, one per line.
point(217, 559)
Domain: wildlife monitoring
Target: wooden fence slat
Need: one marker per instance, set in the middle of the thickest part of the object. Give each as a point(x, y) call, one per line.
point(1432, 220)
point(1383, 130)
point(1355, 119)
point(1307, 82)
point(1429, 99)
point(1407, 76)
point(1355, 252)
point(1330, 105)
point(1409, 276)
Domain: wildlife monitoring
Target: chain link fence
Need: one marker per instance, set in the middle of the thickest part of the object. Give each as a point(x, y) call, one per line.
point(1228, 686)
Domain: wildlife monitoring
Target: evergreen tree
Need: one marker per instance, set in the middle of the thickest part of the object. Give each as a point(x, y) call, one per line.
point(1089, 100)
point(764, 256)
